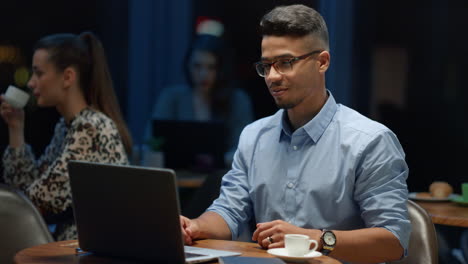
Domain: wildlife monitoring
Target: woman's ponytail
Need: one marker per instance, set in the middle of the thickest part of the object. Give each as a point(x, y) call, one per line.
point(99, 91)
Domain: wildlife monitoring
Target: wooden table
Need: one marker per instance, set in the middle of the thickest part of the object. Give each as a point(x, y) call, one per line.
point(192, 179)
point(64, 252)
point(446, 213)
point(190, 182)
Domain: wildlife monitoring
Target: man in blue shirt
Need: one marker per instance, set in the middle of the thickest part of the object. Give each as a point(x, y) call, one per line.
point(315, 167)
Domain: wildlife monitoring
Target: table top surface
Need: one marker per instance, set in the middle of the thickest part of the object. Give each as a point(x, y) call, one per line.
point(446, 213)
point(64, 252)
point(193, 179)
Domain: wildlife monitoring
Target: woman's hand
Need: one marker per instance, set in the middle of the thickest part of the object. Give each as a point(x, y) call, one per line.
point(15, 120)
point(13, 117)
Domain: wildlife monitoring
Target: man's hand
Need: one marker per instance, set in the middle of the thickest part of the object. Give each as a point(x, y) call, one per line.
point(208, 225)
point(189, 229)
point(271, 234)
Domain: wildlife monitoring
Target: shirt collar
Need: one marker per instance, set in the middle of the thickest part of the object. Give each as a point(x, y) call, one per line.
point(315, 127)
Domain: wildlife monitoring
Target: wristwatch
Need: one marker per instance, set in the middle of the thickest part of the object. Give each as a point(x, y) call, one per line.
point(328, 240)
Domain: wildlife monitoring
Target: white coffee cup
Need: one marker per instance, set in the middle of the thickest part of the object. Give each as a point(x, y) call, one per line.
point(298, 245)
point(16, 97)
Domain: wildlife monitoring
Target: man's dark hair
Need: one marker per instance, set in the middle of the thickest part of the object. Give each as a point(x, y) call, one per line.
point(295, 21)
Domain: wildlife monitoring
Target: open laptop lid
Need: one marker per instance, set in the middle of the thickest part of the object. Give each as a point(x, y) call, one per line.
point(185, 140)
point(127, 211)
point(130, 212)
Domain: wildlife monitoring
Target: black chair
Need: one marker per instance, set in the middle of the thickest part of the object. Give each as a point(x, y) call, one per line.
point(464, 244)
point(21, 224)
point(423, 247)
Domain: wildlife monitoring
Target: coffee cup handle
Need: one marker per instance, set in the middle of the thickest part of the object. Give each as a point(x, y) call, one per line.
point(315, 246)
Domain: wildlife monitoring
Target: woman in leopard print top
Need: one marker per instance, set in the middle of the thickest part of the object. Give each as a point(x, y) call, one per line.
point(71, 74)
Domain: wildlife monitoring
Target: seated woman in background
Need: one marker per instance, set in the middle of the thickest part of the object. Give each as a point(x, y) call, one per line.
point(209, 94)
point(70, 73)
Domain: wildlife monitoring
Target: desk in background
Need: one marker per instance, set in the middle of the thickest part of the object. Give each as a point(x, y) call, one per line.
point(446, 213)
point(190, 179)
point(64, 252)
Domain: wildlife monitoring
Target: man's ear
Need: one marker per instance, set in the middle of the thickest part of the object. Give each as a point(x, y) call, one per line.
point(69, 76)
point(324, 60)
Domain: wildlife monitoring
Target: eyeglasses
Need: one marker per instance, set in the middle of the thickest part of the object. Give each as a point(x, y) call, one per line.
point(282, 66)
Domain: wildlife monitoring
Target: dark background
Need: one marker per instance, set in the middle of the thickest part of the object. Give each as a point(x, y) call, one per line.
point(430, 123)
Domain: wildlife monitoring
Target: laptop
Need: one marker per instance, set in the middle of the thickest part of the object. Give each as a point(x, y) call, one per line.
point(192, 144)
point(131, 212)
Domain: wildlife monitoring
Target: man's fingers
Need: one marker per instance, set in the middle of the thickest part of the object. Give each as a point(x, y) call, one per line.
point(260, 228)
point(271, 242)
point(188, 240)
point(186, 230)
point(264, 243)
point(255, 235)
point(187, 235)
point(277, 244)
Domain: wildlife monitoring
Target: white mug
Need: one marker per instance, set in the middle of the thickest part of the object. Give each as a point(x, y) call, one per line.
point(16, 97)
point(298, 245)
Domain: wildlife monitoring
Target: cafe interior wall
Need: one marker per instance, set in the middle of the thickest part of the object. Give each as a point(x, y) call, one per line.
point(408, 61)
point(407, 72)
point(23, 22)
point(414, 82)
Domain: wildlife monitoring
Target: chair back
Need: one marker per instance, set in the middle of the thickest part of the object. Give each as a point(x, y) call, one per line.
point(423, 247)
point(464, 244)
point(21, 224)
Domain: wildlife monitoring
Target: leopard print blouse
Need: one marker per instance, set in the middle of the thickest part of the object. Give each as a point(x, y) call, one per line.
point(90, 136)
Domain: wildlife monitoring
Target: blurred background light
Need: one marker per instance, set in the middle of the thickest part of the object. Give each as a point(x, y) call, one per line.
point(21, 76)
point(9, 54)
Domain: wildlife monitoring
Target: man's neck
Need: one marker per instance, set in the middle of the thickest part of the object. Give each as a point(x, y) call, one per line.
point(303, 113)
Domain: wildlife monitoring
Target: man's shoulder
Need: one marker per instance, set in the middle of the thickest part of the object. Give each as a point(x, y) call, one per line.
point(352, 120)
point(266, 122)
point(267, 128)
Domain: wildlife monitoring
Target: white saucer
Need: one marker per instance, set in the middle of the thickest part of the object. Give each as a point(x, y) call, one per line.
point(283, 254)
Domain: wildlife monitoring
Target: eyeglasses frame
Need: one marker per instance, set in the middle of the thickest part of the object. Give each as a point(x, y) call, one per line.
point(291, 61)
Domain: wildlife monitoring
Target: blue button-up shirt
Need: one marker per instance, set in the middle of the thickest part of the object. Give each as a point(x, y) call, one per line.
point(340, 171)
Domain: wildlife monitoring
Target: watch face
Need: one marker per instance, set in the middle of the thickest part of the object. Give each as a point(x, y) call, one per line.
point(329, 238)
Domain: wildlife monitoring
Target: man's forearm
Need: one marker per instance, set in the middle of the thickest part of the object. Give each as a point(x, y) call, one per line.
point(212, 225)
point(369, 245)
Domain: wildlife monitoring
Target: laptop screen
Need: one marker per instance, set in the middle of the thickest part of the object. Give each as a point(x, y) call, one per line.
point(130, 212)
point(192, 144)
point(126, 211)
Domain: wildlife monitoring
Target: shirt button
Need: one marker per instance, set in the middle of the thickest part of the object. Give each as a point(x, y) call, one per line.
point(295, 147)
point(290, 185)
